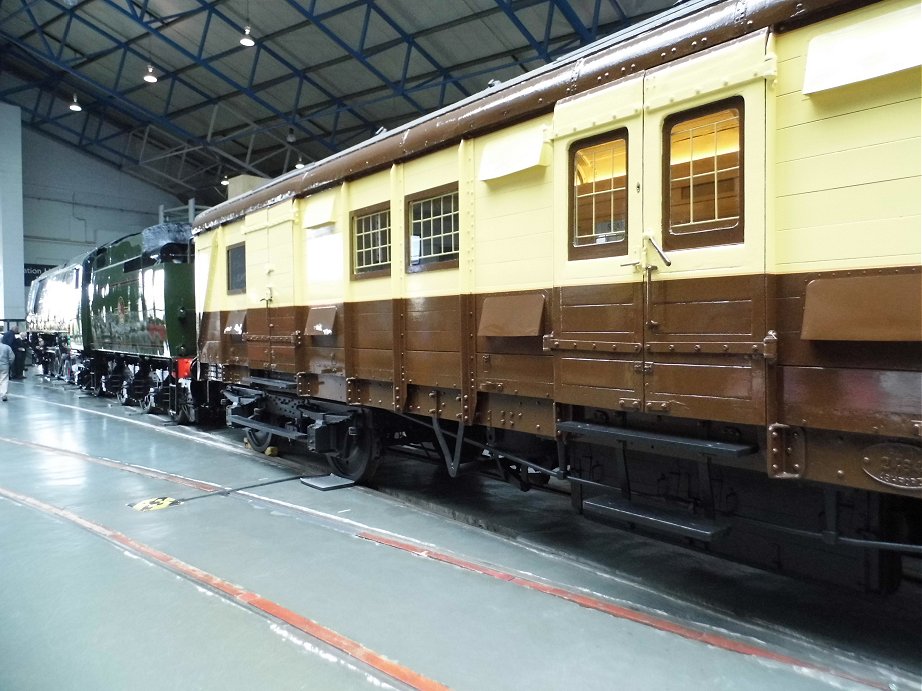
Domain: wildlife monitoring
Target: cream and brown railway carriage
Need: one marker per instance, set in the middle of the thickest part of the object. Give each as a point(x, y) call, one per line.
point(680, 270)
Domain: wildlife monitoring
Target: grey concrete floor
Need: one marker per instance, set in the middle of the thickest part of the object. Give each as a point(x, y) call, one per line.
point(95, 595)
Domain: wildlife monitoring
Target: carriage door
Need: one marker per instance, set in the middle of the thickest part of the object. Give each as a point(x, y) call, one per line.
point(702, 258)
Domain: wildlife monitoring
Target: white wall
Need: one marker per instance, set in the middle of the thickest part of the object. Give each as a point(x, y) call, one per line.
point(12, 300)
point(73, 202)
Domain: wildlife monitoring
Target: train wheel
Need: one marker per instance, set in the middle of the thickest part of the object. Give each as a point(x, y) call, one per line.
point(259, 441)
point(183, 414)
point(148, 403)
point(359, 455)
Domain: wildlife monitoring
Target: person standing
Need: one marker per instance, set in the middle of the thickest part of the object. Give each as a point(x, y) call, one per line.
point(19, 355)
point(6, 364)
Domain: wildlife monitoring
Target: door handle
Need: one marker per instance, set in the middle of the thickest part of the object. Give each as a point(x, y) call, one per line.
point(659, 250)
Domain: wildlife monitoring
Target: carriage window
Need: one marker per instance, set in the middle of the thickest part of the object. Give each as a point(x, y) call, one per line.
point(598, 210)
point(703, 204)
point(433, 229)
point(236, 269)
point(371, 242)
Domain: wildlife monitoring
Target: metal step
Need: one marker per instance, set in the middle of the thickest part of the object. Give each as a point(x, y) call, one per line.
point(655, 442)
point(663, 520)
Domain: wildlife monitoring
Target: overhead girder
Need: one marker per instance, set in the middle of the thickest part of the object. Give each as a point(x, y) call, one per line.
point(171, 150)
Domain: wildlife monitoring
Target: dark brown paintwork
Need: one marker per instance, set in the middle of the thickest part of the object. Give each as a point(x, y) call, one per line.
point(711, 355)
point(533, 94)
point(877, 307)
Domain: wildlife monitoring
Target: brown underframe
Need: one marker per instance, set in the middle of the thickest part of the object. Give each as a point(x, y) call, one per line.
point(605, 249)
point(408, 200)
point(367, 211)
point(725, 236)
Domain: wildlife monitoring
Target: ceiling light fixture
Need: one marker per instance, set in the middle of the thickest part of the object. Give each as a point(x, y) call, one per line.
point(149, 76)
point(74, 106)
point(246, 39)
point(225, 181)
point(290, 137)
point(299, 164)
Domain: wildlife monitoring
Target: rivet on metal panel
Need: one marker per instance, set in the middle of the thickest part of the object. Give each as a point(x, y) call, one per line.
point(840, 473)
point(697, 348)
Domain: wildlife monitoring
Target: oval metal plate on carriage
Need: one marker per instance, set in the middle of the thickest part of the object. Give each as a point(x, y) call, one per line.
point(894, 465)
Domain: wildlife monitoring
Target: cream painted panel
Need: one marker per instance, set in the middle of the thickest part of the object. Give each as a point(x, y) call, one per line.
point(867, 49)
point(280, 269)
point(320, 209)
point(204, 284)
point(886, 242)
point(513, 224)
point(605, 109)
point(854, 129)
point(369, 191)
point(707, 75)
point(795, 42)
point(220, 239)
point(325, 274)
point(843, 205)
point(594, 111)
point(795, 108)
point(282, 212)
point(433, 170)
point(258, 261)
point(674, 89)
point(513, 150)
point(864, 165)
point(256, 220)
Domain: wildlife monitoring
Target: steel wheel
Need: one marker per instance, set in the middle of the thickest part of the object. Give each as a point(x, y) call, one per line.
point(358, 457)
point(259, 441)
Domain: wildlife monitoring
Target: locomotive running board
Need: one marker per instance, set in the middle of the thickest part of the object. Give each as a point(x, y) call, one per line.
point(662, 520)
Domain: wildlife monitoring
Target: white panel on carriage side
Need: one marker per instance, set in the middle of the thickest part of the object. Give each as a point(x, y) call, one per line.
point(320, 209)
point(877, 46)
point(522, 149)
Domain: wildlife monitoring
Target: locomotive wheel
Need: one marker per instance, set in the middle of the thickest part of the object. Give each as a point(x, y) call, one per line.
point(259, 441)
point(148, 403)
point(183, 414)
point(358, 457)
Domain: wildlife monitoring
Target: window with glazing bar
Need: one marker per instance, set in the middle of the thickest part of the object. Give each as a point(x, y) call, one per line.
point(703, 200)
point(433, 229)
point(371, 241)
point(598, 206)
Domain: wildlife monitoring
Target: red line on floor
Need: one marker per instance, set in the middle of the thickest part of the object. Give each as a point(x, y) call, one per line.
point(659, 623)
point(239, 594)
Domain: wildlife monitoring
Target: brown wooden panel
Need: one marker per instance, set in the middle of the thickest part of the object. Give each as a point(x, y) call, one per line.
point(731, 389)
point(609, 373)
point(865, 400)
point(730, 307)
point(320, 321)
point(789, 303)
point(373, 364)
point(578, 320)
point(526, 375)
point(433, 368)
point(517, 314)
point(707, 320)
point(864, 308)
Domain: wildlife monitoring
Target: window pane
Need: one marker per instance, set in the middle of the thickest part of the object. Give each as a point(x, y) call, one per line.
point(371, 241)
point(236, 268)
point(704, 173)
point(599, 202)
point(434, 229)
